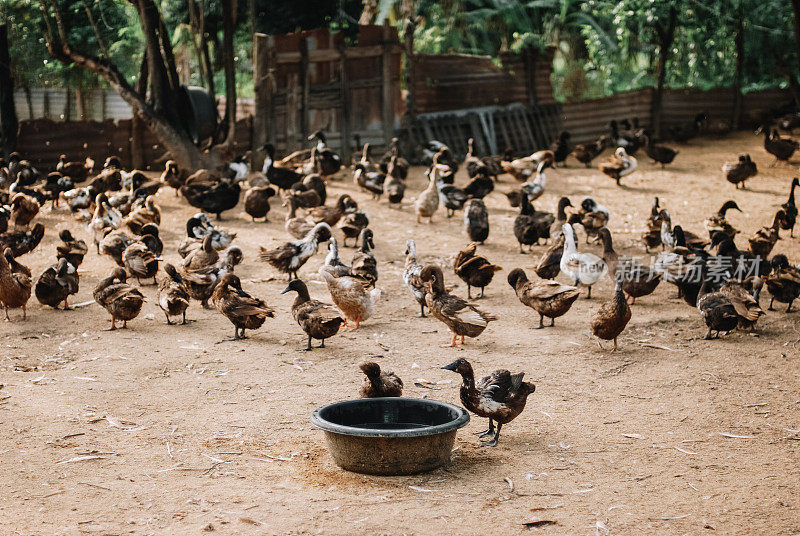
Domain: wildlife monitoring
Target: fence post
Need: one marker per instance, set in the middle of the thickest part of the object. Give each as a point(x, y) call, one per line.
point(261, 105)
point(344, 150)
point(386, 85)
point(305, 90)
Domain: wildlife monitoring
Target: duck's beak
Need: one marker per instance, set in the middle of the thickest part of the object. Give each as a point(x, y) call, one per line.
point(287, 289)
point(452, 366)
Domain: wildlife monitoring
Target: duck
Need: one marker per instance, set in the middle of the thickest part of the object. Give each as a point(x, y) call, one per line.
point(77, 171)
point(22, 242)
point(56, 284)
point(173, 296)
point(560, 218)
point(481, 184)
point(547, 297)
point(528, 226)
point(637, 279)
point(561, 148)
point(314, 181)
point(378, 383)
point(80, 199)
point(363, 265)
point(105, 219)
point(739, 171)
point(549, 265)
point(291, 256)
point(351, 296)
point(534, 188)
point(197, 228)
point(282, 177)
point(592, 216)
point(674, 263)
point(211, 194)
point(256, 202)
point(201, 257)
point(789, 210)
point(352, 225)
point(243, 310)
point(582, 268)
point(428, 200)
point(783, 283)
point(463, 318)
point(652, 236)
point(114, 244)
point(781, 148)
point(523, 168)
point(658, 153)
point(332, 259)
point(140, 261)
point(317, 319)
point(451, 197)
point(173, 176)
point(717, 222)
point(23, 209)
point(668, 237)
point(401, 164)
point(306, 197)
point(762, 242)
point(487, 165)
point(295, 225)
point(474, 270)
point(411, 277)
point(500, 397)
point(138, 218)
point(370, 181)
point(331, 215)
point(15, 284)
point(201, 283)
point(55, 184)
point(585, 153)
point(619, 165)
point(743, 302)
point(610, 320)
point(476, 220)
point(716, 309)
point(327, 162)
point(123, 301)
point(71, 249)
point(394, 186)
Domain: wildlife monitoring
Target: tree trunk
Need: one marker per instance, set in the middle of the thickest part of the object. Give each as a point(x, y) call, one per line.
point(665, 37)
point(229, 122)
point(8, 113)
point(736, 114)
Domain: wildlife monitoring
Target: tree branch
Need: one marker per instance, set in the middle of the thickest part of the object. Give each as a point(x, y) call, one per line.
point(94, 27)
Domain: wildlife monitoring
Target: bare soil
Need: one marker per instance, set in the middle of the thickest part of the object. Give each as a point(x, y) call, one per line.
point(172, 430)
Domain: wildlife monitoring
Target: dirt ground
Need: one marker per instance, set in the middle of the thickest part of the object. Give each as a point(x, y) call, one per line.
point(171, 430)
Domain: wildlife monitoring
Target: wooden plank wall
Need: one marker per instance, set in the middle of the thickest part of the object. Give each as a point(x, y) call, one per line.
point(586, 120)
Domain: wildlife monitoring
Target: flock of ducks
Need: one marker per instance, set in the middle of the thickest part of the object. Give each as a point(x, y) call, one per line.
point(121, 215)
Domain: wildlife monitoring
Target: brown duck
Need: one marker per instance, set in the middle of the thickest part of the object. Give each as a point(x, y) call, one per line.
point(122, 300)
point(762, 242)
point(609, 321)
point(71, 249)
point(547, 297)
point(637, 280)
point(463, 318)
point(173, 295)
point(243, 310)
point(717, 222)
point(474, 270)
point(500, 397)
point(378, 383)
point(56, 284)
point(15, 284)
point(319, 320)
point(550, 262)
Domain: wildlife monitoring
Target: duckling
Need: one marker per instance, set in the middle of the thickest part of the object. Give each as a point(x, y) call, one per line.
point(738, 172)
point(762, 242)
point(15, 284)
point(668, 237)
point(201, 283)
point(377, 383)
point(717, 222)
point(561, 148)
point(585, 153)
point(394, 186)
point(331, 215)
point(256, 202)
point(332, 259)
point(290, 256)
point(296, 226)
point(652, 236)
point(549, 265)
point(352, 225)
point(744, 303)
point(481, 184)
point(71, 249)
point(140, 260)
point(523, 168)
point(114, 244)
point(547, 297)
point(500, 397)
point(474, 270)
point(23, 209)
point(149, 213)
point(609, 321)
point(364, 266)
point(173, 296)
point(411, 276)
point(637, 280)
point(582, 268)
point(784, 282)
point(789, 210)
point(428, 201)
point(463, 318)
point(476, 220)
point(56, 284)
point(244, 311)
point(716, 309)
point(351, 296)
point(593, 217)
point(619, 165)
point(658, 153)
point(319, 320)
point(122, 300)
point(173, 176)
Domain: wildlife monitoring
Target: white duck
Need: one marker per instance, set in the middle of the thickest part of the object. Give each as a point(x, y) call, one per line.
point(583, 268)
point(534, 188)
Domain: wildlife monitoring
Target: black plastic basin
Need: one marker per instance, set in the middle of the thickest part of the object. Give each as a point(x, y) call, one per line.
point(390, 436)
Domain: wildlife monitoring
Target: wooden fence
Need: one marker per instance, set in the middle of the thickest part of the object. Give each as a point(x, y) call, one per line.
point(312, 80)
